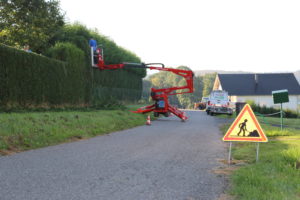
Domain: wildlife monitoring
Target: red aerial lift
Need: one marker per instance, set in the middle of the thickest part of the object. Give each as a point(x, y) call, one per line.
point(160, 96)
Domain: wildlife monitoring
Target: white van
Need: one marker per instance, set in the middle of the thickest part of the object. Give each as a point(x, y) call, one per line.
point(218, 103)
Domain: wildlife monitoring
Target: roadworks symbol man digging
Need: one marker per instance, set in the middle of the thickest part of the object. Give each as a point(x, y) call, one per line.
point(245, 128)
point(242, 127)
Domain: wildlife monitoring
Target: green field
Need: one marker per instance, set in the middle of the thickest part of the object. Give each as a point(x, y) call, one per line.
point(277, 174)
point(23, 131)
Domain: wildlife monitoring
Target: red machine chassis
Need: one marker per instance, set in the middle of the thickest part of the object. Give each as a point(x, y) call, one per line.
point(160, 96)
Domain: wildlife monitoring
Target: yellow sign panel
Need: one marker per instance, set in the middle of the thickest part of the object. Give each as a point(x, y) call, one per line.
point(245, 128)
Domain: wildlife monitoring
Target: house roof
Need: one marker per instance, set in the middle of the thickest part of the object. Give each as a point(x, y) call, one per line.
point(259, 84)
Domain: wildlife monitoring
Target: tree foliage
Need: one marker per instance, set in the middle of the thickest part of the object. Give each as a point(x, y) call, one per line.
point(29, 22)
point(208, 83)
point(168, 79)
point(202, 87)
point(40, 24)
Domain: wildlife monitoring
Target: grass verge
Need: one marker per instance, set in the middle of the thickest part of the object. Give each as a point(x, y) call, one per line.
point(276, 175)
point(293, 123)
point(24, 131)
point(288, 122)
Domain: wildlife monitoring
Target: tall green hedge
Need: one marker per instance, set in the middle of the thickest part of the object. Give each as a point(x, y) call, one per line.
point(106, 85)
point(31, 80)
point(73, 86)
point(116, 85)
point(28, 79)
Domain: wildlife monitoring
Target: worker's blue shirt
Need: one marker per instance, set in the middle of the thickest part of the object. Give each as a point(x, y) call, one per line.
point(93, 44)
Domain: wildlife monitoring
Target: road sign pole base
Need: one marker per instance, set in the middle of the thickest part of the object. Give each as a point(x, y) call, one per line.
point(229, 154)
point(257, 150)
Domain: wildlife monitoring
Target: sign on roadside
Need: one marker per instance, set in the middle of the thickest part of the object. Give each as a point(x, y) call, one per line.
point(280, 96)
point(245, 128)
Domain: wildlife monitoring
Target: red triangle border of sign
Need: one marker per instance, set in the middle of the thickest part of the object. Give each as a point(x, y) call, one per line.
point(262, 137)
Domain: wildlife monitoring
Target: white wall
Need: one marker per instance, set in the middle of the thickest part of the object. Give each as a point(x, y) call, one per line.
point(267, 100)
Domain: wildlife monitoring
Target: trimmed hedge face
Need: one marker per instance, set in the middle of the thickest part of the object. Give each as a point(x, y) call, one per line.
point(116, 84)
point(28, 80)
point(72, 86)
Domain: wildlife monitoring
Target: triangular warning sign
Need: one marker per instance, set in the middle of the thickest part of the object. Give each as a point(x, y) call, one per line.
point(245, 128)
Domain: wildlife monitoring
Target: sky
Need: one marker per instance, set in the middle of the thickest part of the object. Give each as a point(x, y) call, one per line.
point(255, 36)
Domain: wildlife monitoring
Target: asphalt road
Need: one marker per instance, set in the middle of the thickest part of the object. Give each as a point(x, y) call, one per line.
point(168, 160)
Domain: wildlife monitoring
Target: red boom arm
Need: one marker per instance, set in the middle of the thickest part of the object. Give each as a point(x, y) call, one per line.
point(160, 96)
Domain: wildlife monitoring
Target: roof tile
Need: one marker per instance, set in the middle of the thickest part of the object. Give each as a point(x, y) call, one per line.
point(265, 83)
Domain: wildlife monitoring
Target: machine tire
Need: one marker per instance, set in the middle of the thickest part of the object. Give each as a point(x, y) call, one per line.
point(156, 114)
point(167, 114)
point(207, 112)
point(211, 114)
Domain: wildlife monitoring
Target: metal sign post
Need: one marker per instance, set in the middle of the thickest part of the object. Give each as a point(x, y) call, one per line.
point(257, 151)
point(280, 96)
point(229, 155)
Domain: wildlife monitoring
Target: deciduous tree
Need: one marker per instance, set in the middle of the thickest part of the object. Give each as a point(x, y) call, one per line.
point(29, 22)
point(208, 83)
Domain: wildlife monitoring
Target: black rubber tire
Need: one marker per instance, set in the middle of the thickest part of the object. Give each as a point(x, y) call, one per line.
point(167, 114)
point(156, 114)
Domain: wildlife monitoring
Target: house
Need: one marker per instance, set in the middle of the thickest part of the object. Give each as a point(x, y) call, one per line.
point(259, 87)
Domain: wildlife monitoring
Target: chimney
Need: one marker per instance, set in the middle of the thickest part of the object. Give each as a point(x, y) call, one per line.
point(255, 82)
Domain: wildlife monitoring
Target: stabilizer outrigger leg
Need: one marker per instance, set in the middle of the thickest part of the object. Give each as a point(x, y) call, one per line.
point(171, 109)
point(145, 109)
point(178, 113)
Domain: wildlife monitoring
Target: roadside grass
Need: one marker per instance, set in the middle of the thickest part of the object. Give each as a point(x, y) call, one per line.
point(24, 131)
point(275, 121)
point(277, 174)
point(289, 122)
